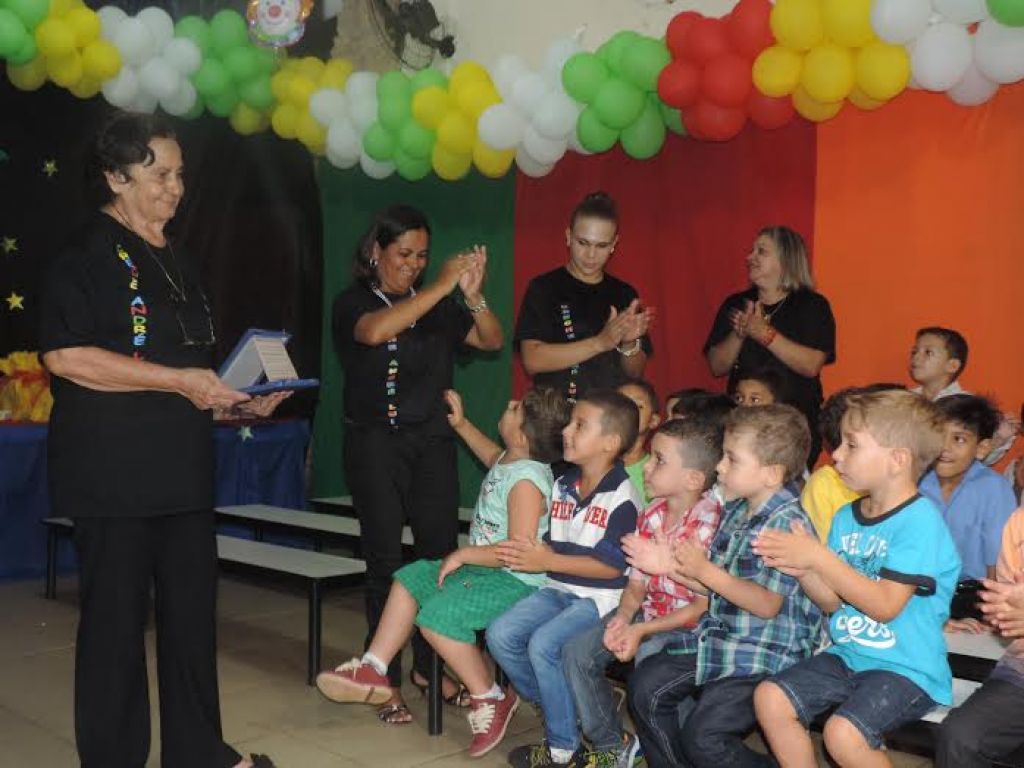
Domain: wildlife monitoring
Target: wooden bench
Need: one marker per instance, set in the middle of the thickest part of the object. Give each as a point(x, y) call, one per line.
point(342, 505)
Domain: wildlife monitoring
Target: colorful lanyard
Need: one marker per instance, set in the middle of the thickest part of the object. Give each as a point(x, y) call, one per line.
point(391, 378)
point(137, 309)
point(570, 335)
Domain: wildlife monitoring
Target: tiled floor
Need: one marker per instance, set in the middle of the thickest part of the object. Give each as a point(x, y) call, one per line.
point(265, 704)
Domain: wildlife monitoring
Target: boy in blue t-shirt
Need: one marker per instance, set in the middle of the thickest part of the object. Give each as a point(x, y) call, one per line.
point(886, 577)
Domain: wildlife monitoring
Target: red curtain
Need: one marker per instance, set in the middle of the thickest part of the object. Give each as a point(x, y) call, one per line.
point(687, 220)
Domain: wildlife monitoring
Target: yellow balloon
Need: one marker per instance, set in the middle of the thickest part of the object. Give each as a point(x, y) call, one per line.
point(336, 73)
point(280, 84)
point(311, 67)
point(55, 38)
point(310, 132)
point(101, 60)
point(285, 120)
point(28, 77)
point(86, 88)
point(861, 100)
point(492, 162)
point(430, 105)
point(814, 110)
point(465, 73)
point(450, 166)
point(246, 120)
point(882, 70)
point(474, 98)
point(300, 88)
point(777, 71)
point(61, 8)
point(848, 22)
point(797, 24)
point(828, 73)
point(456, 133)
point(85, 23)
point(66, 70)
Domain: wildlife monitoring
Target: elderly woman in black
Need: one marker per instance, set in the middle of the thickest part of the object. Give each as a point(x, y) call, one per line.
point(397, 341)
point(127, 335)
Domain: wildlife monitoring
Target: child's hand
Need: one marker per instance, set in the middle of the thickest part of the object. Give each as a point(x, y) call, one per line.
point(971, 626)
point(1009, 426)
point(457, 417)
point(628, 642)
point(522, 554)
point(792, 553)
point(449, 565)
point(613, 630)
point(690, 559)
point(652, 556)
point(1003, 605)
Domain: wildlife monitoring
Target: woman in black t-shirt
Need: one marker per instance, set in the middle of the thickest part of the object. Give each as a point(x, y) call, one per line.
point(579, 327)
point(397, 342)
point(780, 322)
point(127, 336)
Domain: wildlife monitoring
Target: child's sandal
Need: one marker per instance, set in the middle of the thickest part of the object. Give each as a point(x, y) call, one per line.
point(394, 714)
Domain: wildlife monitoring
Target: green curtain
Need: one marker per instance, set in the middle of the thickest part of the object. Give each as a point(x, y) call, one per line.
point(474, 210)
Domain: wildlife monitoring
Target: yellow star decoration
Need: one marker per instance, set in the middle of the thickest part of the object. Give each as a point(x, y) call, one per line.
point(50, 168)
point(10, 244)
point(14, 301)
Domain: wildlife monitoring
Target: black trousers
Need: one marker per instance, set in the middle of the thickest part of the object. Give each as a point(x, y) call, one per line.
point(397, 476)
point(987, 726)
point(121, 560)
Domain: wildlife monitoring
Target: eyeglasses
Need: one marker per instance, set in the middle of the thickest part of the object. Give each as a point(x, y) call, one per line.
point(195, 331)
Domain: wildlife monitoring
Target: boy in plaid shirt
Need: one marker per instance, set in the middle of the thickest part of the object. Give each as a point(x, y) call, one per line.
point(677, 475)
point(758, 620)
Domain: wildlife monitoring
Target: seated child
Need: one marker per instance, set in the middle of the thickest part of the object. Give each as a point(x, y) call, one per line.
point(652, 610)
point(450, 600)
point(677, 402)
point(646, 399)
point(758, 386)
point(1014, 471)
point(758, 620)
point(700, 402)
point(886, 577)
point(937, 359)
point(974, 501)
point(593, 506)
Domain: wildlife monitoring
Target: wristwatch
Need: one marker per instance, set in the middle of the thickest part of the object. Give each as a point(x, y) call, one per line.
point(631, 351)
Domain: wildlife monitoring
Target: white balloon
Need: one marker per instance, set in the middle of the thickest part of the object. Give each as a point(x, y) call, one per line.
point(110, 19)
point(973, 89)
point(184, 55)
point(501, 126)
point(560, 52)
point(542, 149)
point(343, 162)
point(361, 85)
point(343, 143)
point(508, 69)
point(900, 21)
point(135, 42)
point(160, 25)
point(374, 168)
point(999, 51)
point(529, 91)
point(556, 115)
point(181, 101)
point(159, 78)
point(363, 112)
point(531, 166)
point(143, 102)
point(575, 146)
point(941, 56)
point(961, 11)
point(121, 90)
point(327, 105)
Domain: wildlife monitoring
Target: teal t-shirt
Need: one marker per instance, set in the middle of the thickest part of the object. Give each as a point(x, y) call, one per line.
point(490, 516)
point(636, 476)
point(910, 545)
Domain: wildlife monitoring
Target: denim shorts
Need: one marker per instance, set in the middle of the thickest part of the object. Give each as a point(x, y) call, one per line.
point(876, 701)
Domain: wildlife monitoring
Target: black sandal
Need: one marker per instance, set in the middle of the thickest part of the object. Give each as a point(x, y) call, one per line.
point(460, 699)
point(394, 714)
point(261, 761)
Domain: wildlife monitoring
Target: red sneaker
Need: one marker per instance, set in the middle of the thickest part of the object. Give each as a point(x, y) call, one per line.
point(489, 719)
point(354, 681)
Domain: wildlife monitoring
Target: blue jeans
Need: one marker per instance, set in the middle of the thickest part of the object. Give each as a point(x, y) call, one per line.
point(585, 660)
point(527, 642)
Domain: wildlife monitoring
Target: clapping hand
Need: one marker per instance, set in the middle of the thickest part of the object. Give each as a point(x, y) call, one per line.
point(1003, 605)
point(652, 556)
point(458, 413)
point(638, 321)
point(757, 324)
point(690, 558)
point(471, 281)
point(453, 270)
point(792, 553)
point(739, 319)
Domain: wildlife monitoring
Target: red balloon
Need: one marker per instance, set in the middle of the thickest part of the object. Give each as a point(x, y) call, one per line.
point(726, 80)
point(705, 120)
point(679, 84)
point(705, 40)
point(768, 112)
point(678, 28)
point(748, 27)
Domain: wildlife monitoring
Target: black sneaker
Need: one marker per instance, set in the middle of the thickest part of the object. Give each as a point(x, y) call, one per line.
point(539, 756)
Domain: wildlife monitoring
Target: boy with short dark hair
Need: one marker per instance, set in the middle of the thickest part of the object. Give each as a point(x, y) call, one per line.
point(937, 360)
point(886, 577)
point(642, 394)
point(593, 506)
point(758, 386)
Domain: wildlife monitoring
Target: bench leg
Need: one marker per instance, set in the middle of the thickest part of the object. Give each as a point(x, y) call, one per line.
point(51, 563)
point(313, 663)
point(434, 693)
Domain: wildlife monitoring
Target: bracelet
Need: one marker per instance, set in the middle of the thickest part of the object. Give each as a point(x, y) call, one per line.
point(629, 352)
point(768, 337)
point(477, 308)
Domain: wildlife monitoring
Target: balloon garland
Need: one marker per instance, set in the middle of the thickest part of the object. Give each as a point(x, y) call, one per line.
point(763, 62)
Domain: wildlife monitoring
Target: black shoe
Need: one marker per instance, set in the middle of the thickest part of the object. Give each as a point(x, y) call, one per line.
point(539, 756)
point(262, 761)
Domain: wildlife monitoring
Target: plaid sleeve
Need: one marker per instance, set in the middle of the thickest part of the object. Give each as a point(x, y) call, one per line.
point(706, 524)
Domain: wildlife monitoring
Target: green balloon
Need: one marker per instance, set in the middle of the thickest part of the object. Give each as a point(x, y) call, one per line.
point(12, 34)
point(642, 62)
point(618, 103)
point(594, 136)
point(197, 109)
point(645, 137)
point(256, 93)
point(379, 143)
point(227, 30)
point(613, 50)
point(393, 85)
point(212, 79)
point(416, 141)
point(195, 29)
point(394, 112)
point(223, 104)
point(25, 54)
point(242, 63)
point(266, 60)
point(672, 118)
point(411, 168)
point(31, 12)
point(583, 75)
point(428, 77)
point(1007, 12)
